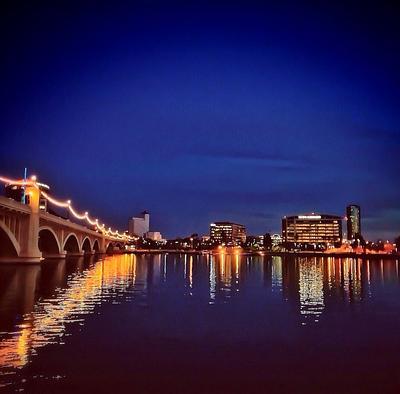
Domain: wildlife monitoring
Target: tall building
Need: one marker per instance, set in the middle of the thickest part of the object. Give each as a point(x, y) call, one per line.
point(227, 233)
point(353, 214)
point(312, 229)
point(139, 225)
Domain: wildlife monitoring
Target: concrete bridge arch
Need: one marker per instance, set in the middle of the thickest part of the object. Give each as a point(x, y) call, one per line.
point(86, 246)
point(49, 243)
point(71, 244)
point(96, 246)
point(9, 245)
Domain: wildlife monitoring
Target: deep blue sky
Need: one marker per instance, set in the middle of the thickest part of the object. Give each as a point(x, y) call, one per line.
point(208, 111)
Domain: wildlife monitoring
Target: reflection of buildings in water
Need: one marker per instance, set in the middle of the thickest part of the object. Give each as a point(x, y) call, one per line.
point(236, 267)
point(153, 270)
point(311, 284)
point(382, 272)
point(143, 276)
point(267, 271)
point(46, 320)
point(71, 296)
point(276, 273)
point(390, 270)
point(345, 278)
point(213, 279)
point(225, 274)
point(349, 279)
point(355, 290)
point(290, 278)
point(188, 272)
point(164, 271)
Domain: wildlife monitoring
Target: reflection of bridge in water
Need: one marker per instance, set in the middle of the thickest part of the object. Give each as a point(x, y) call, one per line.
point(44, 321)
point(50, 296)
point(27, 233)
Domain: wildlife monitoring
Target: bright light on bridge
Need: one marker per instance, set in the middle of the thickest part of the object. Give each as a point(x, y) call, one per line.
point(66, 204)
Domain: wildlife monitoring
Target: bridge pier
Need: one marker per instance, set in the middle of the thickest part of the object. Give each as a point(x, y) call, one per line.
point(30, 252)
point(21, 260)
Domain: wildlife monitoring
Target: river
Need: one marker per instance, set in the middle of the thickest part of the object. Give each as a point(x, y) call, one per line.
point(170, 323)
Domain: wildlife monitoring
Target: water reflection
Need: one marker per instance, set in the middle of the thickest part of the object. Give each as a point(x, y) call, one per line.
point(38, 303)
point(43, 300)
point(276, 273)
point(311, 292)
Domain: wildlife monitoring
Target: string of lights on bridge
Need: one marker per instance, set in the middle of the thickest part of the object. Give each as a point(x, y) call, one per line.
point(68, 205)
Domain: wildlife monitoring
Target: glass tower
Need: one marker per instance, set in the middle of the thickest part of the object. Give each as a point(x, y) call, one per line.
point(353, 213)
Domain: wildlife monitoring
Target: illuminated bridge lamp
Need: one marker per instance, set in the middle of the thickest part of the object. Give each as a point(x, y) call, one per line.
point(66, 204)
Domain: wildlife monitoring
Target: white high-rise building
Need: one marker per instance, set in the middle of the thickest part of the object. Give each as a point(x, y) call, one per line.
point(139, 225)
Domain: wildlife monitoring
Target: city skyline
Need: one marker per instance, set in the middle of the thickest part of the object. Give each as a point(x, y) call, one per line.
point(139, 225)
point(200, 197)
point(206, 112)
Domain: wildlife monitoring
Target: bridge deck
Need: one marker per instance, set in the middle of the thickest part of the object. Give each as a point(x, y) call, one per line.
point(13, 205)
point(75, 226)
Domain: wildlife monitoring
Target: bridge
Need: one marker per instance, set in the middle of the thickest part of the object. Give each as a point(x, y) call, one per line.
point(28, 234)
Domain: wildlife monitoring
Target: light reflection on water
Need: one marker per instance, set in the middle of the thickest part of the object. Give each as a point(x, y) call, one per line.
point(38, 303)
point(48, 318)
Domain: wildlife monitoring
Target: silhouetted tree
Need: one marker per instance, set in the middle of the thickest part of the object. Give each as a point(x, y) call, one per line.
point(267, 241)
point(397, 242)
point(361, 239)
point(381, 245)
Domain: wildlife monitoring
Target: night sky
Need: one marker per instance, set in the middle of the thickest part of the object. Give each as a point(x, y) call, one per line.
point(208, 111)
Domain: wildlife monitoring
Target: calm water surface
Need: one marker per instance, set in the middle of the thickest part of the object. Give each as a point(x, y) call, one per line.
point(201, 324)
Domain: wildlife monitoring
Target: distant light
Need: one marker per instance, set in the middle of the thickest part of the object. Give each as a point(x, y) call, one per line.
point(33, 178)
point(309, 216)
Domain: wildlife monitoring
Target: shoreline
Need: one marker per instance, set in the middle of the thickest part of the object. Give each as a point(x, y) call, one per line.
point(363, 256)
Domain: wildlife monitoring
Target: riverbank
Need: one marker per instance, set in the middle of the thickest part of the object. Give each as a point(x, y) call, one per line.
point(364, 256)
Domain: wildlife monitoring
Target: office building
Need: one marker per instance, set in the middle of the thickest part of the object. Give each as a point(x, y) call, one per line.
point(312, 229)
point(353, 215)
point(139, 226)
point(227, 233)
point(154, 235)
